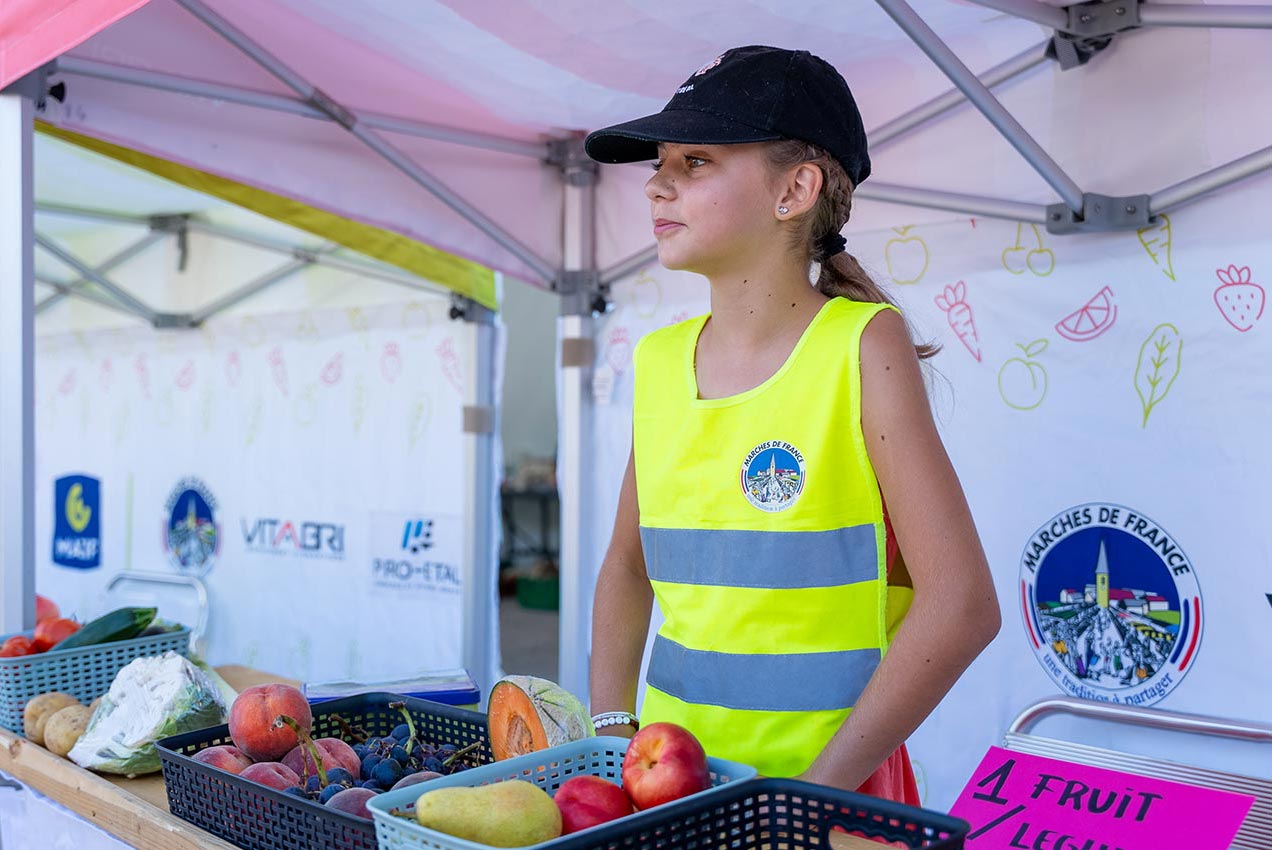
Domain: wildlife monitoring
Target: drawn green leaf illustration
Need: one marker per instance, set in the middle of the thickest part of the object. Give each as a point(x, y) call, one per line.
point(1158, 366)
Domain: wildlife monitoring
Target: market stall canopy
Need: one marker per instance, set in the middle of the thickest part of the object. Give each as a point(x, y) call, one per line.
point(389, 126)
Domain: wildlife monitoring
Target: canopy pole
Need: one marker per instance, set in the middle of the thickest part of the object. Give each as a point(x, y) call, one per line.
point(1167, 15)
point(576, 353)
point(73, 288)
point(1022, 62)
point(953, 202)
point(17, 364)
point(1216, 178)
point(350, 122)
point(479, 631)
point(1031, 10)
point(293, 106)
point(982, 99)
point(121, 295)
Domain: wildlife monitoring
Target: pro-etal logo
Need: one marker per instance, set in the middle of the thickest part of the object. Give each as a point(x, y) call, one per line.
point(1111, 604)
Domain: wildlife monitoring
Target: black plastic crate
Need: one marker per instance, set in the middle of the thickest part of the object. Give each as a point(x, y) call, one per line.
point(259, 818)
point(773, 814)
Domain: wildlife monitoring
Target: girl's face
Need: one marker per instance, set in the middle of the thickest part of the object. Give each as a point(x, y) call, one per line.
point(713, 206)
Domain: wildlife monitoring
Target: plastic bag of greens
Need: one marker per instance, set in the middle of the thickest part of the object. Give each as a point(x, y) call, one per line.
point(150, 699)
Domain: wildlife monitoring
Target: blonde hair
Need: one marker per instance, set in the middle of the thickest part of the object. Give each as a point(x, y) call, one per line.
point(841, 274)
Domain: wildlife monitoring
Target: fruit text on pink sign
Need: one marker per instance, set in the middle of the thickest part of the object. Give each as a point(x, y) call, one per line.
point(1017, 801)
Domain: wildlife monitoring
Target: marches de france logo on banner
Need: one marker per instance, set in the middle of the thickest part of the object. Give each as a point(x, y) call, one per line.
point(1111, 604)
point(773, 475)
point(191, 536)
point(77, 523)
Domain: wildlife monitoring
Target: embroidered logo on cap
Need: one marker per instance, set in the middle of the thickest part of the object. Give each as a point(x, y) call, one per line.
point(707, 67)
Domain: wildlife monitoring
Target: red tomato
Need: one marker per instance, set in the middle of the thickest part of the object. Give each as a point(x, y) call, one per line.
point(17, 645)
point(45, 608)
point(50, 632)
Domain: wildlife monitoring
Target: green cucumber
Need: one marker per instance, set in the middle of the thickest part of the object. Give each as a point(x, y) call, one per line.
point(120, 624)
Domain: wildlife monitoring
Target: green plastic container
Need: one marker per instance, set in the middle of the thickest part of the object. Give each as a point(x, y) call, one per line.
point(541, 593)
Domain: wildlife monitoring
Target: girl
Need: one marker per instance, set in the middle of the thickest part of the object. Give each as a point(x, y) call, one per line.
point(802, 635)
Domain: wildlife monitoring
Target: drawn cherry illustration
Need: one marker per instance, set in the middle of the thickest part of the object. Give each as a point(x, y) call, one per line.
point(185, 377)
point(334, 370)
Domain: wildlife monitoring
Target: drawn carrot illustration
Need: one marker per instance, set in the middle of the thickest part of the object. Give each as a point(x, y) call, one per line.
point(959, 314)
point(1158, 366)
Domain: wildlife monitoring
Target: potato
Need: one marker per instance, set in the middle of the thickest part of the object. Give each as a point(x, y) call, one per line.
point(93, 705)
point(64, 728)
point(38, 710)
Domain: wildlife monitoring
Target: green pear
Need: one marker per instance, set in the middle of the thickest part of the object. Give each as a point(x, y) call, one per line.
point(514, 813)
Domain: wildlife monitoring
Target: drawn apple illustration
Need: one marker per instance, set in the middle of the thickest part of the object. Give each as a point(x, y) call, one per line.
point(646, 295)
point(1022, 382)
point(907, 256)
point(1018, 258)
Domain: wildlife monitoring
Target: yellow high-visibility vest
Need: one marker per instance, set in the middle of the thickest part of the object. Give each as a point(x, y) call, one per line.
point(763, 532)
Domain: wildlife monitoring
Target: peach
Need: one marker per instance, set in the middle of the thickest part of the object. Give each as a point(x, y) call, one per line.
point(271, 774)
point(588, 801)
point(224, 757)
point(252, 716)
point(334, 752)
point(352, 801)
point(664, 762)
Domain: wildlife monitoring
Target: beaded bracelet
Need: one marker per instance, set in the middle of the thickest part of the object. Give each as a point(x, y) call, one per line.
point(615, 718)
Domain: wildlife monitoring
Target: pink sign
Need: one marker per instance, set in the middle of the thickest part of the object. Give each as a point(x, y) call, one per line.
point(1017, 801)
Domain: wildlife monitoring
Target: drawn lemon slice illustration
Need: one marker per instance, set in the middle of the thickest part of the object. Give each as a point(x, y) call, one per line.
point(1091, 319)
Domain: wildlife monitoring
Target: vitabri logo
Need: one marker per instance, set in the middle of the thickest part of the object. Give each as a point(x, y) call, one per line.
point(1111, 604)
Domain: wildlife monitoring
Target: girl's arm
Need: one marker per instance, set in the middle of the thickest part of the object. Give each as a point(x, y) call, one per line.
point(955, 612)
point(620, 612)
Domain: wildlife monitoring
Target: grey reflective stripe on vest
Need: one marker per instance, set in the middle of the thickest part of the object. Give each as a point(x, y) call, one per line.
point(814, 681)
point(768, 559)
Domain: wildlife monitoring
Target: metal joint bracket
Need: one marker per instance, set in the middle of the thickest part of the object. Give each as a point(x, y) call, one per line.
point(465, 308)
point(1103, 17)
point(174, 321)
point(35, 85)
point(582, 291)
point(568, 155)
point(1091, 29)
point(479, 419)
point(305, 255)
point(319, 100)
point(179, 225)
point(1100, 214)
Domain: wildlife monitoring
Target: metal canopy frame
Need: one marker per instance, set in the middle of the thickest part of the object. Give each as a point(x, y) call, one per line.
point(1076, 211)
point(163, 226)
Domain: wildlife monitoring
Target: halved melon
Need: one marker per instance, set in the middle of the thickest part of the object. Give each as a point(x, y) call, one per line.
point(527, 714)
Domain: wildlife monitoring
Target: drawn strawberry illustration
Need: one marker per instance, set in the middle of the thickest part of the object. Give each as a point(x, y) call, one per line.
point(391, 362)
point(278, 367)
point(959, 314)
point(1240, 301)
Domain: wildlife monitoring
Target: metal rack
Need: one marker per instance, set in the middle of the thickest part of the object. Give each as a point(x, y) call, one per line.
point(1255, 833)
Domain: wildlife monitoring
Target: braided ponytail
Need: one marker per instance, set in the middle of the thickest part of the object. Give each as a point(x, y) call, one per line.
point(840, 274)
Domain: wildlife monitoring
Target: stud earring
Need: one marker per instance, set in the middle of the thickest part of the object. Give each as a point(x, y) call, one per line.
point(783, 210)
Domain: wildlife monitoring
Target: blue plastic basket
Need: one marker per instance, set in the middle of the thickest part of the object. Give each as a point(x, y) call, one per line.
point(84, 672)
point(549, 769)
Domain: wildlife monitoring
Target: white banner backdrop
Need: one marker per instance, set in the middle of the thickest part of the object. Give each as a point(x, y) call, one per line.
point(309, 467)
point(1102, 398)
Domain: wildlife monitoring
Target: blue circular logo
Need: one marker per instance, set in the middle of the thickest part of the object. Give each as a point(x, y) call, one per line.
point(773, 475)
point(191, 536)
point(1111, 604)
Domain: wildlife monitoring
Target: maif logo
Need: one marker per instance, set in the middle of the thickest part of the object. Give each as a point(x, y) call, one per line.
point(1111, 604)
point(77, 537)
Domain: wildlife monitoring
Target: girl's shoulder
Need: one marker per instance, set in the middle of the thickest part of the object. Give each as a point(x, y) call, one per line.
point(671, 339)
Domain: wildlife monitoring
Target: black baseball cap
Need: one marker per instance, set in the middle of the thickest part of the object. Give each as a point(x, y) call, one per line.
point(749, 94)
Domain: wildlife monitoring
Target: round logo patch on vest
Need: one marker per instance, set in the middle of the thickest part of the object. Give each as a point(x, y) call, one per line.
point(773, 475)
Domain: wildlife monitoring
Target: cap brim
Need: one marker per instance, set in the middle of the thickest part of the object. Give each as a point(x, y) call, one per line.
point(634, 141)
